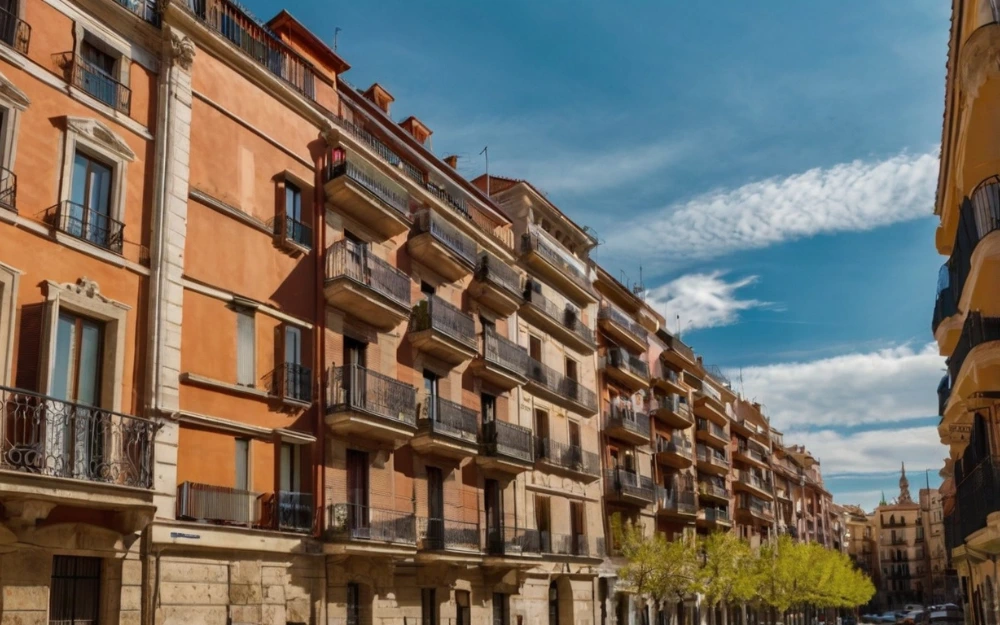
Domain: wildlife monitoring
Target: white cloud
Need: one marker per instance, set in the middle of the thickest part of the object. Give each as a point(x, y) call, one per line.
point(875, 451)
point(855, 196)
point(702, 300)
point(883, 386)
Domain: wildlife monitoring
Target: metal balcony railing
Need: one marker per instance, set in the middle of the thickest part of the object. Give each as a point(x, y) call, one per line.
point(717, 515)
point(440, 416)
point(566, 456)
point(503, 352)
point(14, 32)
point(565, 544)
point(352, 521)
point(712, 428)
point(8, 189)
point(678, 346)
point(621, 359)
point(86, 76)
point(750, 452)
point(677, 444)
point(219, 504)
point(622, 482)
point(439, 534)
point(289, 512)
point(709, 488)
point(92, 226)
point(354, 388)
point(712, 456)
point(493, 270)
point(292, 381)
point(436, 314)
point(679, 501)
point(976, 331)
point(502, 541)
point(462, 246)
point(380, 148)
point(750, 479)
point(257, 41)
point(293, 230)
point(567, 317)
point(978, 217)
point(346, 259)
point(502, 439)
point(556, 382)
point(625, 416)
point(380, 187)
point(755, 506)
point(48, 436)
point(618, 317)
point(537, 242)
point(672, 402)
point(978, 495)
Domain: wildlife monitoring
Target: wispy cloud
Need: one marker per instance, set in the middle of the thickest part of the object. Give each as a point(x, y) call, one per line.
point(873, 451)
point(703, 300)
point(855, 196)
point(883, 386)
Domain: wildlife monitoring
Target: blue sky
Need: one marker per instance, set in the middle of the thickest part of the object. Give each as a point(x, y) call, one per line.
point(771, 166)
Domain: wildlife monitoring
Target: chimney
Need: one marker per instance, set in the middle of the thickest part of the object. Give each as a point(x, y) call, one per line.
point(452, 161)
point(382, 98)
point(416, 128)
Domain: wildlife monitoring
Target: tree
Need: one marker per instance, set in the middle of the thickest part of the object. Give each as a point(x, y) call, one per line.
point(658, 569)
point(727, 569)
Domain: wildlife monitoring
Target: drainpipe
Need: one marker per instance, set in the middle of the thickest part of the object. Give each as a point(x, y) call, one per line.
point(319, 340)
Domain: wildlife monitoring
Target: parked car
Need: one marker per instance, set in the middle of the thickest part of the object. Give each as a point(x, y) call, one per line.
point(913, 617)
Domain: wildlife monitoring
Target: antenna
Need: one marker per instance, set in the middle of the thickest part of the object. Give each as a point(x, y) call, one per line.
point(336, 36)
point(486, 151)
point(639, 288)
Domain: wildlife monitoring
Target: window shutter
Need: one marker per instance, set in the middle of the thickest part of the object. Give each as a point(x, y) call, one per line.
point(245, 351)
point(29, 347)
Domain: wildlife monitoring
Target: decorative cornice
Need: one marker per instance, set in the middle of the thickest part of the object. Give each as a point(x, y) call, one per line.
point(180, 50)
point(100, 134)
point(12, 94)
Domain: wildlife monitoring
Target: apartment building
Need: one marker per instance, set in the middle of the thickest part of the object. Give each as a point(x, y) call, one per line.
point(966, 317)
point(940, 580)
point(751, 476)
point(902, 550)
point(860, 539)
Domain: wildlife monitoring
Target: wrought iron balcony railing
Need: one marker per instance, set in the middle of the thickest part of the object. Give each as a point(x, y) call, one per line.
point(711, 456)
point(557, 383)
point(750, 452)
point(292, 381)
point(625, 416)
point(710, 488)
point(86, 76)
point(565, 544)
point(380, 148)
point(346, 259)
point(537, 242)
point(677, 444)
point(380, 187)
point(14, 32)
point(618, 317)
point(512, 541)
point(750, 479)
point(294, 230)
point(8, 189)
point(678, 346)
point(712, 428)
point(567, 317)
point(504, 352)
point(979, 216)
point(92, 226)
point(290, 512)
point(437, 534)
point(622, 482)
point(945, 300)
point(354, 388)
point(978, 496)
point(567, 456)
point(257, 41)
point(976, 331)
point(493, 270)
point(621, 359)
point(943, 393)
point(462, 246)
point(502, 439)
point(678, 501)
point(352, 521)
point(447, 418)
point(48, 436)
point(717, 515)
point(434, 313)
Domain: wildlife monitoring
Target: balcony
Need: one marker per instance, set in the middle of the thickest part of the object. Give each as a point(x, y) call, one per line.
point(679, 354)
point(711, 461)
point(446, 429)
point(676, 452)
point(630, 371)
point(441, 246)
point(85, 223)
point(512, 541)
point(290, 512)
point(558, 266)
point(710, 491)
point(714, 517)
point(944, 394)
point(625, 330)
point(357, 523)
point(443, 331)
point(672, 410)
point(14, 33)
point(976, 331)
point(501, 362)
point(8, 187)
point(257, 42)
point(92, 451)
point(368, 404)
point(435, 534)
point(711, 433)
point(367, 287)
point(292, 383)
point(748, 482)
point(549, 384)
point(746, 453)
point(222, 505)
point(671, 502)
point(709, 405)
point(292, 234)
point(97, 83)
point(506, 447)
point(571, 545)
point(569, 460)
point(977, 497)
point(945, 307)
point(623, 422)
point(363, 193)
point(755, 508)
point(626, 487)
point(562, 323)
point(668, 380)
point(497, 285)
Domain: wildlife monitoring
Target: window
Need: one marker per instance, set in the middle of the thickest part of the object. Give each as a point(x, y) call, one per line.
point(431, 393)
point(574, 434)
point(435, 508)
point(87, 214)
point(295, 228)
point(535, 348)
point(96, 74)
point(13, 102)
point(571, 371)
point(541, 424)
point(353, 604)
point(542, 522)
point(462, 608)
point(489, 407)
point(501, 609)
point(75, 590)
point(578, 528)
point(242, 464)
point(426, 288)
point(296, 381)
point(428, 606)
point(246, 352)
point(77, 367)
point(290, 478)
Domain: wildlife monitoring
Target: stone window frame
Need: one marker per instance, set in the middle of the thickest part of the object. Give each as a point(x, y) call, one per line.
point(14, 102)
point(97, 140)
point(107, 42)
point(9, 279)
point(84, 298)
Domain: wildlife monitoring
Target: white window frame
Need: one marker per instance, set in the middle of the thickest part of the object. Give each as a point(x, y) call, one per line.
point(239, 308)
point(9, 279)
point(98, 141)
point(14, 102)
point(84, 298)
point(112, 45)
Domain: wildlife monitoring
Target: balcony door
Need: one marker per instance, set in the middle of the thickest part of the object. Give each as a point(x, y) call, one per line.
point(357, 492)
point(543, 515)
point(75, 435)
point(355, 379)
point(577, 527)
point(296, 385)
point(431, 394)
point(88, 215)
point(435, 507)
point(98, 74)
point(493, 505)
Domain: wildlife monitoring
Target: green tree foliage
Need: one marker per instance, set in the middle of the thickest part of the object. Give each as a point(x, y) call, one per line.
point(654, 567)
